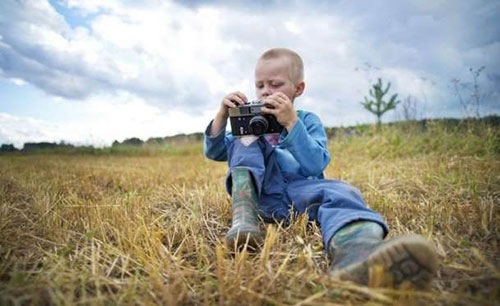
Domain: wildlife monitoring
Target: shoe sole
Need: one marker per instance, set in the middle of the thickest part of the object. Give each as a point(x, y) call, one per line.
point(240, 236)
point(409, 260)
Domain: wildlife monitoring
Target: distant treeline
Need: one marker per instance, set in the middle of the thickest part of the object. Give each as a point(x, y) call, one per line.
point(129, 142)
point(182, 139)
point(170, 140)
point(416, 125)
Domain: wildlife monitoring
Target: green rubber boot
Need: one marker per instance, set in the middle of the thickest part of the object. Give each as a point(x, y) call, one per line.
point(245, 225)
point(359, 254)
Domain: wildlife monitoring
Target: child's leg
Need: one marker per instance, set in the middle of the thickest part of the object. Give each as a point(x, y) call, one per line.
point(245, 182)
point(267, 179)
point(353, 236)
point(333, 204)
point(245, 221)
point(359, 254)
point(251, 157)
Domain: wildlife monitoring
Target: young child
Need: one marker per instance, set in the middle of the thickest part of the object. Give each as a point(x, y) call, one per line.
point(269, 174)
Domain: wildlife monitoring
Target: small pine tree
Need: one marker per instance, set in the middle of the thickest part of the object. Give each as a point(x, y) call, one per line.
point(379, 106)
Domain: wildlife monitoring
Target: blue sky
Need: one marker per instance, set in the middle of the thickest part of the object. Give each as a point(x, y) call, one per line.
point(90, 72)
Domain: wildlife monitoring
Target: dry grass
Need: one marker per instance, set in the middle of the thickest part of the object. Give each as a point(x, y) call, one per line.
point(81, 229)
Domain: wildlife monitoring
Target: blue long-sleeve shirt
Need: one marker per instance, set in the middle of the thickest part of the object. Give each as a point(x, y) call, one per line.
point(303, 151)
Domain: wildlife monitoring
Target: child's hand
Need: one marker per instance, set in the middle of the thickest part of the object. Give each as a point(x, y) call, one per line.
point(282, 109)
point(232, 100)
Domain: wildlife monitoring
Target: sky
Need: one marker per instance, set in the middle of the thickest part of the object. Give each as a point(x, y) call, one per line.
point(89, 72)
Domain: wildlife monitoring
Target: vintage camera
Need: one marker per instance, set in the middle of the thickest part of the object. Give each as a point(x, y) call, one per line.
point(248, 119)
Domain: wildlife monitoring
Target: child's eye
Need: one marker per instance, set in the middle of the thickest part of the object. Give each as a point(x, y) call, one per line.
point(276, 84)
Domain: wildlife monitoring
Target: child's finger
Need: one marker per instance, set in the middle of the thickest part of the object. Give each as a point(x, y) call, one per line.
point(270, 111)
point(282, 98)
point(229, 103)
point(236, 99)
point(241, 95)
point(272, 102)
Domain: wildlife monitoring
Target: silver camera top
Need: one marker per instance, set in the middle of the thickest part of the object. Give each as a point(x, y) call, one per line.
point(254, 102)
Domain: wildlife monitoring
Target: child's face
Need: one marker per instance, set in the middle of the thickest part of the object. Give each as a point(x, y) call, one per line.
point(274, 75)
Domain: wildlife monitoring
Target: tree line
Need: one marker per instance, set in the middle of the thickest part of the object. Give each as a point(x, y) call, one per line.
point(331, 132)
point(178, 139)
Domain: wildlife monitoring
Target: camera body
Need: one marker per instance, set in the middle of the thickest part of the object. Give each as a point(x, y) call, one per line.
point(248, 119)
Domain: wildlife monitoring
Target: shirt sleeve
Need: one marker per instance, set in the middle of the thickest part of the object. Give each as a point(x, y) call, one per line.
point(307, 142)
point(215, 147)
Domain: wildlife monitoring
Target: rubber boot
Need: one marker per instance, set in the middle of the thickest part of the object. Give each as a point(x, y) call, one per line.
point(245, 224)
point(359, 254)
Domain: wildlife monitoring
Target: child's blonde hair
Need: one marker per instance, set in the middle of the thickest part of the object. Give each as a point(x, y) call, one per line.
point(296, 64)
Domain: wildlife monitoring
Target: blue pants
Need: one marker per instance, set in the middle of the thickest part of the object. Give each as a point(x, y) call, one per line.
point(331, 203)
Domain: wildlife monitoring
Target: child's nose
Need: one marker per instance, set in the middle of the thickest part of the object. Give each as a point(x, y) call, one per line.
point(266, 91)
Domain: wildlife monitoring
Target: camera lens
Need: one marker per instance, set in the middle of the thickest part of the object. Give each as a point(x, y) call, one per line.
point(258, 125)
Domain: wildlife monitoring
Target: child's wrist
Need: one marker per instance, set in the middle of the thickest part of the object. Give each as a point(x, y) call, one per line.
point(223, 113)
point(290, 125)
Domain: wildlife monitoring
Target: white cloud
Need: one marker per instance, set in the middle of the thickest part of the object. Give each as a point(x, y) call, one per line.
point(150, 52)
point(18, 82)
point(101, 120)
point(87, 7)
point(17, 131)
point(293, 27)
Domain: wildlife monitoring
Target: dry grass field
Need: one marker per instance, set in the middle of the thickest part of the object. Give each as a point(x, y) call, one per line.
point(147, 228)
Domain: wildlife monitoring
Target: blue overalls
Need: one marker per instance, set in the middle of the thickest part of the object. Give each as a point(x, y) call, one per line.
point(290, 173)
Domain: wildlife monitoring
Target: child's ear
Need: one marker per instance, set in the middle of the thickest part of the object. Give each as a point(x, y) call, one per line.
point(299, 88)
